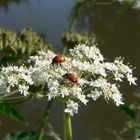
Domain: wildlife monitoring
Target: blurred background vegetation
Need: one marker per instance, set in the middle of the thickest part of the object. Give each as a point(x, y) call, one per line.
point(28, 26)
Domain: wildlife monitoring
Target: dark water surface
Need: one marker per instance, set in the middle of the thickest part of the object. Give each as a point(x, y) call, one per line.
point(52, 18)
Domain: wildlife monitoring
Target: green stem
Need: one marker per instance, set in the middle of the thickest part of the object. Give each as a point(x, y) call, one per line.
point(45, 120)
point(67, 126)
point(41, 134)
point(16, 100)
point(8, 94)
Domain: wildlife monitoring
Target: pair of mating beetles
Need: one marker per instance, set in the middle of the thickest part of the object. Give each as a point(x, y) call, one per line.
point(59, 59)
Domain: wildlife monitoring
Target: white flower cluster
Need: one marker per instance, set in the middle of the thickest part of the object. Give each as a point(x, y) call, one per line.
point(83, 75)
point(13, 78)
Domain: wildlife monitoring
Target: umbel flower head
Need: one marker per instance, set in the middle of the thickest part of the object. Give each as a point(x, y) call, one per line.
point(75, 78)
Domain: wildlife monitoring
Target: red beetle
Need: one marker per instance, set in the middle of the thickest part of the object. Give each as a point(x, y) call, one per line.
point(58, 59)
point(71, 77)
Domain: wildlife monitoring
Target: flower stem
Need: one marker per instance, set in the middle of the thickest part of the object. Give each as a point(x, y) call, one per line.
point(45, 120)
point(8, 95)
point(41, 134)
point(67, 126)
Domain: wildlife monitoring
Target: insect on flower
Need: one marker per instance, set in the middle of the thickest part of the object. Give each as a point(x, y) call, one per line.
point(71, 77)
point(58, 59)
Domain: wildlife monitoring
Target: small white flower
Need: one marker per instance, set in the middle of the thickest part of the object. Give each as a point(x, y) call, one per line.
point(27, 78)
point(131, 79)
point(95, 94)
point(23, 89)
point(110, 66)
point(100, 82)
point(52, 94)
point(53, 84)
point(72, 107)
point(76, 90)
point(39, 77)
point(82, 81)
point(117, 99)
point(122, 67)
point(64, 91)
point(84, 66)
point(82, 98)
point(118, 76)
point(12, 80)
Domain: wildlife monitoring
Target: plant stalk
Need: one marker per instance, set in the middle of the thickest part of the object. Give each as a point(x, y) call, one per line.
point(67, 126)
point(45, 120)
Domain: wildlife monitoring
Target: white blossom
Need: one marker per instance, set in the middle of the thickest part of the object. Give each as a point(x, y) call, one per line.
point(131, 79)
point(72, 107)
point(82, 98)
point(64, 91)
point(95, 94)
point(12, 80)
point(23, 89)
point(117, 99)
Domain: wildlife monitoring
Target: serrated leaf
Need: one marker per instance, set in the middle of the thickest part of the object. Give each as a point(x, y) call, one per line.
point(10, 111)
point(21, 135)
point(128, 111)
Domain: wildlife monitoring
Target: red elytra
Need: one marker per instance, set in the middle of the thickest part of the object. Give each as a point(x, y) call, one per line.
point(72, 77)
point(58, 59)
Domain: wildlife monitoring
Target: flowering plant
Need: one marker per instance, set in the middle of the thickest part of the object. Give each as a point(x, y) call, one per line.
point(74, 79)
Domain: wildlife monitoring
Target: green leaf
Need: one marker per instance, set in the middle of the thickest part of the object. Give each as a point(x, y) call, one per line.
point(10, 111)
point(21, 135)
point(137, 133)
point(53, 135)
point(29, 135)
point(128, 111)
